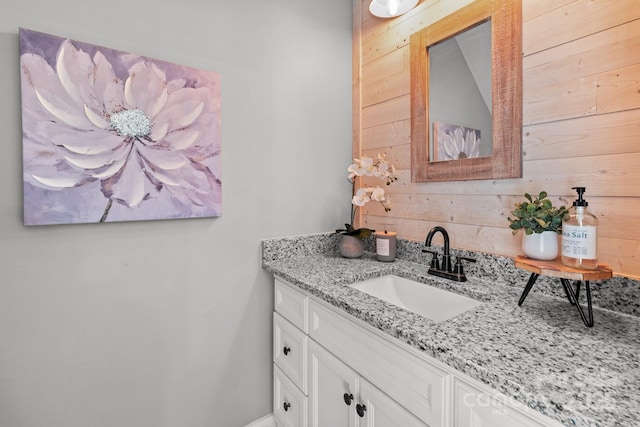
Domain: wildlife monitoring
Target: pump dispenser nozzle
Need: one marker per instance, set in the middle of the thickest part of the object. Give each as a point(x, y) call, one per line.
point(580, 201)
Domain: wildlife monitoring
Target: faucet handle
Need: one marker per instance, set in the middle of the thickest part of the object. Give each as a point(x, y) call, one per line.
point(458, 267)
point(435, 262)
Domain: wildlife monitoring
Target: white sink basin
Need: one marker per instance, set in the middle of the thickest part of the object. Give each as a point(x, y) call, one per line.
point(427, 301)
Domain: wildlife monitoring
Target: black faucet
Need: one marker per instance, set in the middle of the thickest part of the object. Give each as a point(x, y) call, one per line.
point(456, 273)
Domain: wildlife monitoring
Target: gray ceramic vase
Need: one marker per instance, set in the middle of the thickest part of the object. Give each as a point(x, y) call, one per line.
point(350, 247)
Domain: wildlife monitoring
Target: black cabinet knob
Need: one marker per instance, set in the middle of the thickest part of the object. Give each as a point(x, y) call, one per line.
point(361, 409)
point(348, 398)
point(286, 406)
point(286, 350)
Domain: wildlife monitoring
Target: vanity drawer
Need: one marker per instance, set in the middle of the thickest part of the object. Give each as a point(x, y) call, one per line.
point(292, 305)
point(289, 404)
point(290, 351)
point(418, 384)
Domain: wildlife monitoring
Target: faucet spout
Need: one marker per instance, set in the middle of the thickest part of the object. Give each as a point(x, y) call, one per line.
point(446, 256)
point(445, 236)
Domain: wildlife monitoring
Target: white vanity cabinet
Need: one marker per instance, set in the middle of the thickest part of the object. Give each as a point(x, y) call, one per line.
point(477, 406)
point(340, 397)
point(290, 356)
point(333, 370)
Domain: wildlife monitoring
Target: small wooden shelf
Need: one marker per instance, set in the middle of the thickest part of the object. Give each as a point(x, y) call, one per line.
point(556, 269)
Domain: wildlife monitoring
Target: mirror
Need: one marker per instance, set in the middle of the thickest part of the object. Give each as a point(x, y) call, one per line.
point(460, 117)
point(434, 114)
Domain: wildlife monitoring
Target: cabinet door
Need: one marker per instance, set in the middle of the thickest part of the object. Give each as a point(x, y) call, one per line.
point(379, 410)
point(418, 383)
point(333, 390)
point(474, 407)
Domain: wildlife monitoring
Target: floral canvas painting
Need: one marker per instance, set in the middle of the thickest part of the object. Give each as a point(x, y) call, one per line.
point(453, 142)
point(111, 136)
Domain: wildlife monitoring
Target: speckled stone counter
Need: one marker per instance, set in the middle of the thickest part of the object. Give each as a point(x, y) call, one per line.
point(540, 354)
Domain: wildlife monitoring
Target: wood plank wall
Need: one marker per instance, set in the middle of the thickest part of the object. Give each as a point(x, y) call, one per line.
point(581, 126)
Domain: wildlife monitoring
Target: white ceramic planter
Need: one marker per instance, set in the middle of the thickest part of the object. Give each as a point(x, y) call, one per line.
point(543, 246)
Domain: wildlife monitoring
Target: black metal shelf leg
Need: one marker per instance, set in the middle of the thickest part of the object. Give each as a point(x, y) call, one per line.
point(566, 285)
point(532, 280)
point(574, 297)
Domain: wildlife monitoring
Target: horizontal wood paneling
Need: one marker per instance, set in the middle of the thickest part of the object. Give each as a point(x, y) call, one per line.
point(575, 20)
point(585, 77)
point(389, 135)
point(618, 90)
point(390, 111)
point(617, 215)
point(533, 8)
point(600, 52)
point(385, 36)
point(611, 175)
point(616, 133)
point(581, 114)
point(387, 78)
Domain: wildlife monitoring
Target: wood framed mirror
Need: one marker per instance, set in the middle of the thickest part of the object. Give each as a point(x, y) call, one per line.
point(505, 160)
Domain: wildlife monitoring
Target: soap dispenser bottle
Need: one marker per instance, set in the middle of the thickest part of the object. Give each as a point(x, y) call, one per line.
point(580, 235)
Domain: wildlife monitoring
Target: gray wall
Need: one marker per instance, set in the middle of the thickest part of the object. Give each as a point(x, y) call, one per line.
point(168, 323)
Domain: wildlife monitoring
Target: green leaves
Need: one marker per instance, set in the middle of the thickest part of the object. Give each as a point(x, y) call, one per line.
point(360, 233)
point(536, 215)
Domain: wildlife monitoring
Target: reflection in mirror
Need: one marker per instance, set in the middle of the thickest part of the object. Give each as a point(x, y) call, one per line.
point(460, 95)
point(502, 157)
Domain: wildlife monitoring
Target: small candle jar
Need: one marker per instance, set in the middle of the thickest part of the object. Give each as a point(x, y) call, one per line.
point(386, 246)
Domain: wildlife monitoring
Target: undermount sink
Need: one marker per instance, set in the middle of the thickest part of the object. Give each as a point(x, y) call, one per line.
point(425, 300)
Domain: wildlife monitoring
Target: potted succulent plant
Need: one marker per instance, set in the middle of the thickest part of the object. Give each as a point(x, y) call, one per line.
point(541, 222)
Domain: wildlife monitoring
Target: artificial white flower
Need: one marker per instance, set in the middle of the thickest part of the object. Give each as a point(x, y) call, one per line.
point(361, 197)
point(366, 166)
point(377, 194)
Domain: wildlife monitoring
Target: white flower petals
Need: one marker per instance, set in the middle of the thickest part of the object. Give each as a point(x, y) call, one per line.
point(95, 161)
point(61, 113)
point(56, 182)
point(365, 166)
point(129, 189)
point(163, 159)
point(183, 120)
point(74, 68)
point(159, 132)
point(157, 106)
point(111, 170)
point(96, 118)
point(461, 143)
point(181, 139)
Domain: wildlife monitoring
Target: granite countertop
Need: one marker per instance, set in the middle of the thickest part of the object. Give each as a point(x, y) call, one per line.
point(540, 354)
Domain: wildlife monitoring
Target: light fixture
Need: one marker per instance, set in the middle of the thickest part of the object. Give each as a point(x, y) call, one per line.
point(391, 8)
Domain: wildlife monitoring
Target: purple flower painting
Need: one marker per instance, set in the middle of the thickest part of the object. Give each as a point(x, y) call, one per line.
point(112, 136)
